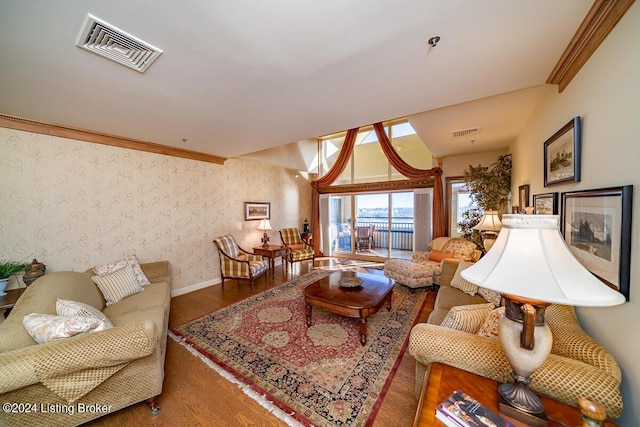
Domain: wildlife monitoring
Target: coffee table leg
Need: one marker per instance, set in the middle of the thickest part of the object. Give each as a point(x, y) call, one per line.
point(363, 330)
point(307, 312)
point(389, 301)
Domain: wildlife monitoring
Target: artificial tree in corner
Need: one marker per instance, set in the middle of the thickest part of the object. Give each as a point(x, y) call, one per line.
point(489, 188)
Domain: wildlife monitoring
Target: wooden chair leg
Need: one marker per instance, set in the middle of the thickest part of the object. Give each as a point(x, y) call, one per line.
point(153, 404)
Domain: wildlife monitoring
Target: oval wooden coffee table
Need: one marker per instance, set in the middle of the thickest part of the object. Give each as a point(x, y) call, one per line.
point(356, 302)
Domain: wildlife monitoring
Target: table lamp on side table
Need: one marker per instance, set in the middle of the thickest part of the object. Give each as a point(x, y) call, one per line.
point(264, 226)
point(489, 226)
point(532, 267)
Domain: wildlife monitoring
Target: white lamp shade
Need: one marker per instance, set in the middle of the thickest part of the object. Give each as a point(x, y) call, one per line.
point(489, 222)
point(530, 259)
point(264, 225)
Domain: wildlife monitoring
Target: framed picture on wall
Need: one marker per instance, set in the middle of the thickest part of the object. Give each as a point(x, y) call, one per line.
point(545, 204)
point(562, 154)
point(523, 196)
point(257, 210)
point(596, 224)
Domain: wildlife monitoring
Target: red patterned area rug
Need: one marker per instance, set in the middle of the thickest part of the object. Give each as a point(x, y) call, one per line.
point(317, 375)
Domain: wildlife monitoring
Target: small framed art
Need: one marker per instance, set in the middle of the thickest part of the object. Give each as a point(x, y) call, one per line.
point(596, 224)
point(562, 154)
point(257, 210)
point(545, 204)
point(523, 196)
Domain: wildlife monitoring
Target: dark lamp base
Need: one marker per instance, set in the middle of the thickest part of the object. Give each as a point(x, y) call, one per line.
point(518, 402)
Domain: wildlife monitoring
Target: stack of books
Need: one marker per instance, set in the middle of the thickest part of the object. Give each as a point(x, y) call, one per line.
point(461, 410)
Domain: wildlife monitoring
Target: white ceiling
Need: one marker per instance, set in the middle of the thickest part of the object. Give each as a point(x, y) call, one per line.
point(242, 76)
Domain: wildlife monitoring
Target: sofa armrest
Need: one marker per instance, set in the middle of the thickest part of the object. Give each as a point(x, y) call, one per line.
point(448, 269)
point(560, 378)
point(156, 271)
point(30, 365)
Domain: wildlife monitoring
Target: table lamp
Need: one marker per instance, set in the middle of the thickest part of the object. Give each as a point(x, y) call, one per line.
point(264, 226)
point(489, 226)
point(532, 267)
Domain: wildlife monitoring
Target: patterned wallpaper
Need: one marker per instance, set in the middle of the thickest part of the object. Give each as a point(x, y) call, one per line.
point(74, 204)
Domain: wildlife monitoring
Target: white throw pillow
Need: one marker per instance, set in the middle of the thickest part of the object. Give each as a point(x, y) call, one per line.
point(117, 285)
point(66, 307)
point(132, 261)
point(467, 318)
point(464, 285)
point(48, 327)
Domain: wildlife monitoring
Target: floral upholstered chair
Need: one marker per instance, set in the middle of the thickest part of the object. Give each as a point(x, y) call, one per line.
point(236, 263)
point(424, 268)
point(297, 249)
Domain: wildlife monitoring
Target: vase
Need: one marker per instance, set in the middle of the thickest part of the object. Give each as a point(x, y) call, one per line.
point(3, 286)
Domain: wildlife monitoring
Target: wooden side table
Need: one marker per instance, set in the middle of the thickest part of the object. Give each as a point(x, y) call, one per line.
point(271, 252)
point(441, 380)
point(9, 300)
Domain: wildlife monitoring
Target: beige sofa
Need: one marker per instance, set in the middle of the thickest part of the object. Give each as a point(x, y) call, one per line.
point(577, 366)
point(71, 381)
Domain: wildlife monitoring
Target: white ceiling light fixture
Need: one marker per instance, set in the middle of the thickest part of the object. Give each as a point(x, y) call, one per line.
point(106, 40)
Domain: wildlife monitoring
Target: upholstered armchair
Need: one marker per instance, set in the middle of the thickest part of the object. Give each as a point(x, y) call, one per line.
point(236, 263)
point(297, 249)
point(423, 269)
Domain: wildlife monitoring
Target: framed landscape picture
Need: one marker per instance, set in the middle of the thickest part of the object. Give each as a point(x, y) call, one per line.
point(257, 210)
point(545, 204)
point(596, 224)
point(562, 154)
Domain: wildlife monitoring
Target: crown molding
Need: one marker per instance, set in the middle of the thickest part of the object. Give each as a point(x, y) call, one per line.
point(601, 19)
point(28, 125)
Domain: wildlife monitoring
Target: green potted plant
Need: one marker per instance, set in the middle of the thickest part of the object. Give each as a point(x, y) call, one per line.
point(489, 188)
point(7, 269)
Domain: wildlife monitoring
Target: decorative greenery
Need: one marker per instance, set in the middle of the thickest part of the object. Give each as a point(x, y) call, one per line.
point(489, 187)
point(8, 268)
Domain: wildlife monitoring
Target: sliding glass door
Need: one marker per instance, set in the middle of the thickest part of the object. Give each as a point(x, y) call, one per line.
point(371, 226)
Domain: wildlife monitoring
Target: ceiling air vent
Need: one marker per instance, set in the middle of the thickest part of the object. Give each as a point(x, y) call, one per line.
point(111, 42)
point(465, 132)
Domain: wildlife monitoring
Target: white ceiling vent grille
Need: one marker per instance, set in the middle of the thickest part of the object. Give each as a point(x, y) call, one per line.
point(111, 42)
point(465, 132)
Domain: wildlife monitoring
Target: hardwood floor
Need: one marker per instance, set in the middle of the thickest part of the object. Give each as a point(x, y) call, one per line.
point(195, 395)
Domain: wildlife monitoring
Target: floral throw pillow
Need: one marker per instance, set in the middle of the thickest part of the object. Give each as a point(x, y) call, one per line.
point(491, 296)
point(48, 327)
point(132, 261)
point(489, 328)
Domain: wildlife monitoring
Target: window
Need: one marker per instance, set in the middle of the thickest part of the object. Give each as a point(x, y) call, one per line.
point(459, 201)
point(368, 163)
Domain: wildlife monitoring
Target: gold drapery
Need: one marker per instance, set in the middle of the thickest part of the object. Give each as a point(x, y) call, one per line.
point(439, 224)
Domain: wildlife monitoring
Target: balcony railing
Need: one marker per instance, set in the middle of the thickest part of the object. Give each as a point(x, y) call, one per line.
point(401, 236)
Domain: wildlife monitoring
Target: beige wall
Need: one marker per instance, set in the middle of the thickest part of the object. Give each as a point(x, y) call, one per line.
point(455, 165)
point(606, 93)
point(74, 204)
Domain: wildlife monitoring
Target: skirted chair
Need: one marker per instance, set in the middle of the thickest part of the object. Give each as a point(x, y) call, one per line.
point(423, 269)
point(236, 263)
point(297, 249)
